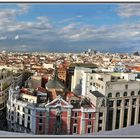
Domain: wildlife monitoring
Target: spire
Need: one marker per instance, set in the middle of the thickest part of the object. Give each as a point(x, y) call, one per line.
point(55, 72)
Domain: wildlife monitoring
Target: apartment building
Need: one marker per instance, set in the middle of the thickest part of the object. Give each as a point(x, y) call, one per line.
point(50, 110)
point(116, 97)
point(5, 83)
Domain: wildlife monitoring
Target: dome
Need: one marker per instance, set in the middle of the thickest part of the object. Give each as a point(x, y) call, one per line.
point(55, 83)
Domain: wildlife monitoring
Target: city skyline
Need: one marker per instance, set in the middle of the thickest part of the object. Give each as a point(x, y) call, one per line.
point(112, 27)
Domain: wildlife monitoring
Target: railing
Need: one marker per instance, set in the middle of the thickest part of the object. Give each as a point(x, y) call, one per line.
point(88, 110)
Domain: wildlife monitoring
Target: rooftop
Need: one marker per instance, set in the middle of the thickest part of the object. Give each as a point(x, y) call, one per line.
point(131, 131)
point(55, 83)
point(87, 65)
point(97, 94)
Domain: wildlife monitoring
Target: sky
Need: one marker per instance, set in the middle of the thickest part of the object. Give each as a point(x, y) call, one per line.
point(57, 27)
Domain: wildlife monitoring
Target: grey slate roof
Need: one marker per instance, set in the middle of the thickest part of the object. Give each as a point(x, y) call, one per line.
point(87, 65)
point(97, 94)
point(54, 84)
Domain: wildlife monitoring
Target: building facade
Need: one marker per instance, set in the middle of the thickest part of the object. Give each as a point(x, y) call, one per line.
point(116, 97)
point(50, 110)
point(26, 114)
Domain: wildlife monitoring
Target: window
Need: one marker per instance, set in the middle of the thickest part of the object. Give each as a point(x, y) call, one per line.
point(125, 94)
point(28, 125)
point(110, 103)
point(41, 114)
point(75, 121)
point(23, 109)
point(12, 118)
point(90, 83)
point(126, 87)
point(134, 102)
point(89, 122)
point(132, 93)
point(89, 115)
point(22, 122)
point(40, 127)
point(40, 120)
point(18, 114)
point(29, 111)
point(75, 114)
point(72, 101)
point(18, 107)
point(17, 120)
point(93, 71)
point(101, 79)
point(113, 78)
point(126, 102)
point(100, 121)
point(118, 102)
point(100, 114)
point(89, 130)
point(23, 116)
point(118, 94)
point(139, 92)
point(100, 128)
point(28, 118)
point(75, 129)
point(109, 95)
point(58, 118)
point(91, 77)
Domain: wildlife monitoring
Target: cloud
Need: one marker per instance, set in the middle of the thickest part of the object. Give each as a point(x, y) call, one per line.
point(3, 37)
point(41, 34)
point(16, 37)
point(67, 20)
point(74, 32)
point(129, 10)
point(23, 8)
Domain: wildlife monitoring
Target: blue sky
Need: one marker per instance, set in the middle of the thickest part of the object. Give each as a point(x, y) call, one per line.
point(113, 27)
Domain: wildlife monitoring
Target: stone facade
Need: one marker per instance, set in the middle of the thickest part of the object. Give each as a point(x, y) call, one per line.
point(116, 96)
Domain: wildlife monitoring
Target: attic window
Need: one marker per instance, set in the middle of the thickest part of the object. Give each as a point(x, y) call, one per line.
point(101, 79)
point(72, 101)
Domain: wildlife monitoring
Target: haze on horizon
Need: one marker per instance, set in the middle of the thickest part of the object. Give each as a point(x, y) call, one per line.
point(112, 27)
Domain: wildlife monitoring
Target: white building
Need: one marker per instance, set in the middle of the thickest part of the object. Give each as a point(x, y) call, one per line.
point(77, 78)
point(117, 98)
point(48, 66)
